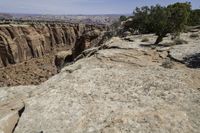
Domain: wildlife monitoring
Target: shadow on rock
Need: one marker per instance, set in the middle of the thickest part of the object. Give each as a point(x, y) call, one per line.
point(193, 61)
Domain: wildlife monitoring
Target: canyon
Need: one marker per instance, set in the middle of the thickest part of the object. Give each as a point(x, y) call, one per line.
point(23, 42)
point(30, 48)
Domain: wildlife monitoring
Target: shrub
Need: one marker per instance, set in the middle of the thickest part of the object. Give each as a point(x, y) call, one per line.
point(167, 64)
point(145, 40)
point(194, 18)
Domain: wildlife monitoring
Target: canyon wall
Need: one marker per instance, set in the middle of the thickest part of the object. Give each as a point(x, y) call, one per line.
point(23, 42)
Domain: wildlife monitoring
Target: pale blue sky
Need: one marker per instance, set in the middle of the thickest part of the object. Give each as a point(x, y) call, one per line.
point(81, 6)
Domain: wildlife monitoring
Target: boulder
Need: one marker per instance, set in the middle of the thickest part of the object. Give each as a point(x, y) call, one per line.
point(10, 115)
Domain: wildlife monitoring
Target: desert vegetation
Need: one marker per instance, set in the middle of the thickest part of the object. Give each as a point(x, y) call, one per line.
point(162, 20)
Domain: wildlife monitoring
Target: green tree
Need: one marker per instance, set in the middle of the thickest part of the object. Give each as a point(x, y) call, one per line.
point(194, 18)
point(141, 19)
point(161, 20)
point(179, 15)
point(158, 22)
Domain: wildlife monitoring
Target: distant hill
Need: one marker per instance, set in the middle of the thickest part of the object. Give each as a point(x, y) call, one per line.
point(5, 16)
point(88, 19)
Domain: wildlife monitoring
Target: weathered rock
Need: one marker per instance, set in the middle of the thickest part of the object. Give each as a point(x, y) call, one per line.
point(9, 116)
point(8, 94)
point(130, 39)
point(180, 52)
point(120, 89)
point(19, 43)
point(61, 57)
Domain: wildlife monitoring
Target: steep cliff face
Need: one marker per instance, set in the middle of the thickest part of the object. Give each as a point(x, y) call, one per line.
point(20, 43)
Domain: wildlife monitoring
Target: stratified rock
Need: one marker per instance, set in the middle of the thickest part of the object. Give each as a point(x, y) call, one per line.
point(20, 43)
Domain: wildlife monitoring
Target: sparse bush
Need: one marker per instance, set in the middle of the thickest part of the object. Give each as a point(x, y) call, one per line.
point(180, 41)
point(194, 36)
point(145, 39)
point(167, 64)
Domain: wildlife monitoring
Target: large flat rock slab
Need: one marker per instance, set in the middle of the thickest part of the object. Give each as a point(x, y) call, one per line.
point(115, 90)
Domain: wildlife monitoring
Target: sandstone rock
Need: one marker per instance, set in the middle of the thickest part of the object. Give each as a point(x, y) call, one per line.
point(20, 43)
point(180, 52)
point(61, 57)
point(120, 89)
point(8, 94)
point(9, 116)
point(92, 34)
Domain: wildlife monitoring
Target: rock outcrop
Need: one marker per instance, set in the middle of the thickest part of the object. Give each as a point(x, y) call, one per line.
point(9, 116)
point(122, 88)
point(117, 87)
point(19, 43)
point(62, 57)
point(188, 54)
point(12, 106)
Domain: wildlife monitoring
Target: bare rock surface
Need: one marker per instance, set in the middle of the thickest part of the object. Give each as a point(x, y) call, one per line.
point(120, 89)
point(13, 93)
point(180, 52)
point(9, 116)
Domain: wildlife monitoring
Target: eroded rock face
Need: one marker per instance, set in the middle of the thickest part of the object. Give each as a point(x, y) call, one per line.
point(61, 57)
point(19, 43)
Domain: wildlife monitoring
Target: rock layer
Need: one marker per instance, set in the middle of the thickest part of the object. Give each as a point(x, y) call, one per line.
point(19, 43)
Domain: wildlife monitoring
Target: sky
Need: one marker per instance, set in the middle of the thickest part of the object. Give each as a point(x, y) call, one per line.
point(65, 7)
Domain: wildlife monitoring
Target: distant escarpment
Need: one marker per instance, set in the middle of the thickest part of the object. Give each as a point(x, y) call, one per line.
point(19, 43)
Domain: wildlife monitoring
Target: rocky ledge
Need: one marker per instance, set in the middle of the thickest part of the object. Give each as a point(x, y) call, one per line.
point(117, 87)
